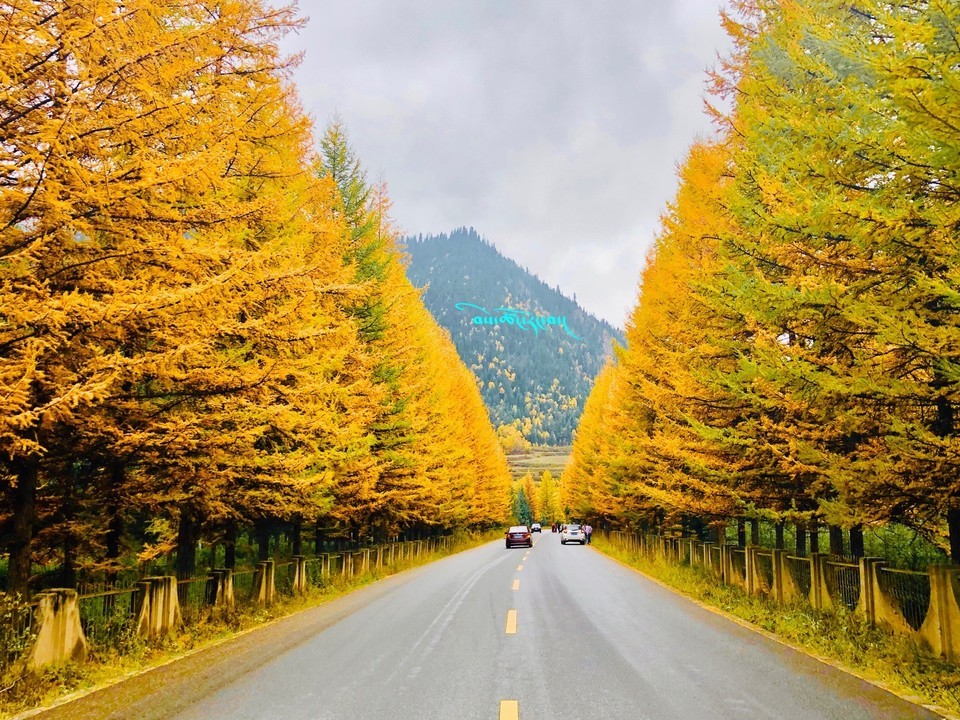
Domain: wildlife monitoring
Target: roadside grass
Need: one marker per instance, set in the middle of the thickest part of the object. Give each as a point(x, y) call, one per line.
point(21, 692)
point(842, 638)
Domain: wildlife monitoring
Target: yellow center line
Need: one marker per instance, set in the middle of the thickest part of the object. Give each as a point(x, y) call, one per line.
point(509, 710)
point(519, 567)
point(511, 622)
point(516, 584)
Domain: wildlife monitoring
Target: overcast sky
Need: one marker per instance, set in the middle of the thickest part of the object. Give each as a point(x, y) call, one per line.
point(553, 127)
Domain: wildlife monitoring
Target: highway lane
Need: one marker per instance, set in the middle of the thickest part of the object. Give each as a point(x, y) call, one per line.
point(587, 638)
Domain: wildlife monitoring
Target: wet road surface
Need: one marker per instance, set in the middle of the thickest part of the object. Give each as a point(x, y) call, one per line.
point(557, 632)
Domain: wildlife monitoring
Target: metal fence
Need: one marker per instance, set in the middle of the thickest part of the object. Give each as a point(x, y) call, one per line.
point(843, 582)
point(765, 569)
point(108, 618)
point(910, 591)
point(738, 563)
point(109, 615)
point(800, 572)
point(243, 584)
point(283, 577)
point(918, 604)
point(194, 597)
point(314, 569)
point(16, 629)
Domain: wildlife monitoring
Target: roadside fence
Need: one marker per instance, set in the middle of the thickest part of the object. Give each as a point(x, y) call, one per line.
point(58, 625)
point(924, 605)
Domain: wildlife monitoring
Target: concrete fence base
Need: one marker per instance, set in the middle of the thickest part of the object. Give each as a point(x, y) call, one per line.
point(299, 574)
point(819, 591)
point(59, 636)
point(264, 588)
point(159, 607)
point(154, 609)
point(941, 627)
point(220, 591)
point(940, 630)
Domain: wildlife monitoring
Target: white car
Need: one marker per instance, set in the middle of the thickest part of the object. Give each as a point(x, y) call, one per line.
point(572, 533)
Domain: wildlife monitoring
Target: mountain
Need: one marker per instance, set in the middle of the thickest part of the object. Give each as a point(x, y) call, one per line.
point(534, 351)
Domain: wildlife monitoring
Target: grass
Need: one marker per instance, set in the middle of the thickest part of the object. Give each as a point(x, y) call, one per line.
point(842, 637)
point(538, 459)
point(20, 692)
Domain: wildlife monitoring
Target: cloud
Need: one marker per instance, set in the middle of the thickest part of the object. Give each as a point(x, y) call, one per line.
point(553, 127)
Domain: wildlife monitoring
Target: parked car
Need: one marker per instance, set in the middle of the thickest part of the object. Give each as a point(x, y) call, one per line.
point(519, 535)
point(572, 533)
point(536, 528)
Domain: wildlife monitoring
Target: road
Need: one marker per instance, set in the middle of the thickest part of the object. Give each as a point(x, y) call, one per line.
point(554, 632)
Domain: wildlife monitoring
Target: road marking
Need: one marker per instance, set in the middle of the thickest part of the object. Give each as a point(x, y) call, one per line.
point(511, 622)
point(520, 567)
point(516, 584)
point(509, 710)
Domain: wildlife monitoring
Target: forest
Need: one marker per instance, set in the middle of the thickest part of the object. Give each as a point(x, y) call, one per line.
point(206, 330)
point(793, 354)
point(533, 381)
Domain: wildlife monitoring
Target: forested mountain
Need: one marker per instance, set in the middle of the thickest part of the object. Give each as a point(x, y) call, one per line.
point(534, 351)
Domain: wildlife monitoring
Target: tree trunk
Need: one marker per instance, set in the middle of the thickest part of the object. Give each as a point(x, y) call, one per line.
point(953, 530)
point(836, 541)
point(263, 541)
point(814, 535)
point(318, 539)
point(114, 534)
point(68, 543)
point(230, 545)
point(187, 533)
point(297, 542)
point(114, 521)
point(24, 506)
point(754, 532)
point(856, 542)
point(778, 533)
point(68, 573)
point(801, 544)
point(741, 533)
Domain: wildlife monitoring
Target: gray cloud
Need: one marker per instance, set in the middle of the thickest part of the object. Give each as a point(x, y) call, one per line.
point(553, 127)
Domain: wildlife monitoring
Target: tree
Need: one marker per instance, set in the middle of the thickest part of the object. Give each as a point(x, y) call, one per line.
point(519, 507)
point(119, 133)
point(844, 195)
point(548, 498)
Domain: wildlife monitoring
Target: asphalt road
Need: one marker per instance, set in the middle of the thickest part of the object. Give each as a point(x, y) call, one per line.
point(556, 632)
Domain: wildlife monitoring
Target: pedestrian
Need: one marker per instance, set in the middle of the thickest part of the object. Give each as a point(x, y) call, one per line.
point(588, 531)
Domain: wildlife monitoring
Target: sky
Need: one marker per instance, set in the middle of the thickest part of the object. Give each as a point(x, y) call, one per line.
point(552, 127)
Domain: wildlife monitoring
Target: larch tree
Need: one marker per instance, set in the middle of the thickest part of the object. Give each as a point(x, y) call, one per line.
point(118, 126)
point(844, 195)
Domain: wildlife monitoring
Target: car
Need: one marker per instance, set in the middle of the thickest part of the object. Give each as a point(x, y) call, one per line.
point(572, 534)
point(519, 535)
point(536, 527)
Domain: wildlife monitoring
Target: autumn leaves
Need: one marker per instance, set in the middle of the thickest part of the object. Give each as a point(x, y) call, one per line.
point(203, 324)
point(793, 354)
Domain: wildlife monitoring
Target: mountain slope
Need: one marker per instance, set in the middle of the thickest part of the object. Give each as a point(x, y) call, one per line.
point(534, 351)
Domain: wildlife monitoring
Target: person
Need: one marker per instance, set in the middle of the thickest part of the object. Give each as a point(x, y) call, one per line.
point(587, 531)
